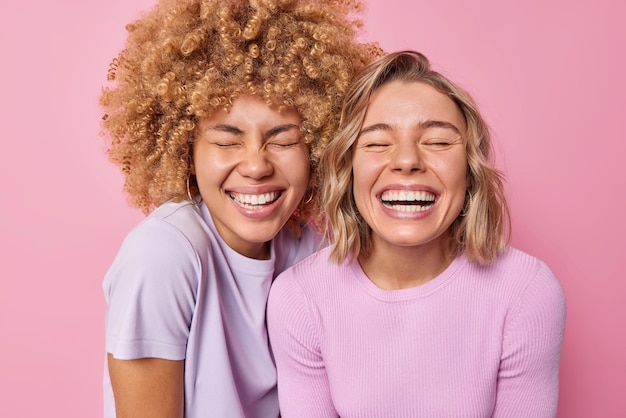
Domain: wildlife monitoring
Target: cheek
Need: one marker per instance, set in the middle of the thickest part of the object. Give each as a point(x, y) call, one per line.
point(358, 178)
point(368, 167)
point(206, 165)
point(364, 175)
point(211, 168)
point(453, 166)
point(295, 166)
point(455, 175)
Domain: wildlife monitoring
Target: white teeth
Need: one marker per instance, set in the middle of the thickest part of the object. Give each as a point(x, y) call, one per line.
point(408, 208)
point(413, 201)
point(407, 196)
point(252, 200)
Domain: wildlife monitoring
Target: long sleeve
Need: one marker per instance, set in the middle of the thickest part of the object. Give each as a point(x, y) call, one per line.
point(303, 389)
point(528, 377)
point(479, 341)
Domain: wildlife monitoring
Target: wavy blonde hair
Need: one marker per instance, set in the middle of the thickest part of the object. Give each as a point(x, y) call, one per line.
point(186, 59)
point(482, 230)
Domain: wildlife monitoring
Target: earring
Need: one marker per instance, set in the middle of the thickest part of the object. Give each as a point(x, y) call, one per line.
point(308, 200)
point(468, 203)
point(191, 199)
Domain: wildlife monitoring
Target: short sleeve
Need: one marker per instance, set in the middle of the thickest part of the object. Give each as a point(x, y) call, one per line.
point(528, 379)
point(150, 292)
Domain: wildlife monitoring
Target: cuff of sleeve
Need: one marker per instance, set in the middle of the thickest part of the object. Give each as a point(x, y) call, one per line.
point(131, 350)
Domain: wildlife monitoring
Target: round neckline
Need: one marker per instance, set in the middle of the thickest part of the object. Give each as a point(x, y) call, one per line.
point(248, 266)
point(421, 291)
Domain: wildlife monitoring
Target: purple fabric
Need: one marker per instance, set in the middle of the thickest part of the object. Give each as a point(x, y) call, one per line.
point(473, 342)
point(176, 291)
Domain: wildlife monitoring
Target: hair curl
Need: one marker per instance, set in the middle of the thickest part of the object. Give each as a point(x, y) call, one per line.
point(482, 231)
point(185, 59)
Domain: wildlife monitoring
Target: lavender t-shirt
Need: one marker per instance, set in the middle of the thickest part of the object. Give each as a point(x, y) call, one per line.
point(177, 291)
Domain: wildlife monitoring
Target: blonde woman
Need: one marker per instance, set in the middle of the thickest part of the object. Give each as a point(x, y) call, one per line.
point(419, 308)
point(217, 113)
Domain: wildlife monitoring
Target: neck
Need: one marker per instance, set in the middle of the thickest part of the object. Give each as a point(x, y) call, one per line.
point(396, 267)
point(258, 252)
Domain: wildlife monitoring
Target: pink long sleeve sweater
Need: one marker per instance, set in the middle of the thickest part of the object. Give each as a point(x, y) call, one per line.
point(473, 342)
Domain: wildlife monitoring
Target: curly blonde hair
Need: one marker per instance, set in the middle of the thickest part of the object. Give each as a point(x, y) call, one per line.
point(482, 230)
point(185, 59)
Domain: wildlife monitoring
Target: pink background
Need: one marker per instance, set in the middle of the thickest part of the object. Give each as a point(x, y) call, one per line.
point(548, 75)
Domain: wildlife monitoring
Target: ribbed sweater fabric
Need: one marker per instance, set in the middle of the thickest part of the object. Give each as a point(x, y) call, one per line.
point(475, 341)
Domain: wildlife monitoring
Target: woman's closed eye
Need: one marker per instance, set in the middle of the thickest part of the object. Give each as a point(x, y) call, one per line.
point(285, 142)
point(373, 143)
point(283, 137)
point(440, 137)
point(440, 142)
point(226, 143)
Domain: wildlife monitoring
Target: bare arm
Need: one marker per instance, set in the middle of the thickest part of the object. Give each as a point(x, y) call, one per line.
point(147, 387)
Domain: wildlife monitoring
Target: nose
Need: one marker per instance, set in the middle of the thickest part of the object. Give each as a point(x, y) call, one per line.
point(406, 157)
point(255, 164)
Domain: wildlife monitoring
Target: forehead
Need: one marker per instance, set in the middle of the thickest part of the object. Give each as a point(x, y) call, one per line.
point(412, 103)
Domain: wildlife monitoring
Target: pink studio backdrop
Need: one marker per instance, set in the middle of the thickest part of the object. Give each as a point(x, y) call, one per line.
point(549, 77)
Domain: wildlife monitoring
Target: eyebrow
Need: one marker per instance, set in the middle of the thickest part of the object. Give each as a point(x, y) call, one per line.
point(375, 127)
point(230, 129)
point(439, 124)
point(424, 125)
point(279, 129)
point(236, 131)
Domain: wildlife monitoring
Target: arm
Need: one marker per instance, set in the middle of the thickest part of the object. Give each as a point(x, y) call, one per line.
point(528, 379)
point(147, 387)
point(303, 387)
point(149, 291)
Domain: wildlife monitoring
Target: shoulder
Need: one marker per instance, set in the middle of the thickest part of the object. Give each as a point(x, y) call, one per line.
point(518, 269)
point(516, 262)
point(309, 276)
point(515, 282)
point(297, 290)
point(311, 266)
point(185, 218)
point(531, 283)
point(166, 245)
point(290, 249)
point(171, 226)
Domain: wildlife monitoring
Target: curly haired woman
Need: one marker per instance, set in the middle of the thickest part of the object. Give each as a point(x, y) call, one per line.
point(217, 115)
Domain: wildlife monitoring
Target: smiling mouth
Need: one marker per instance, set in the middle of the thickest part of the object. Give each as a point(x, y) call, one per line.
point(254, 201)
point(408, 201)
